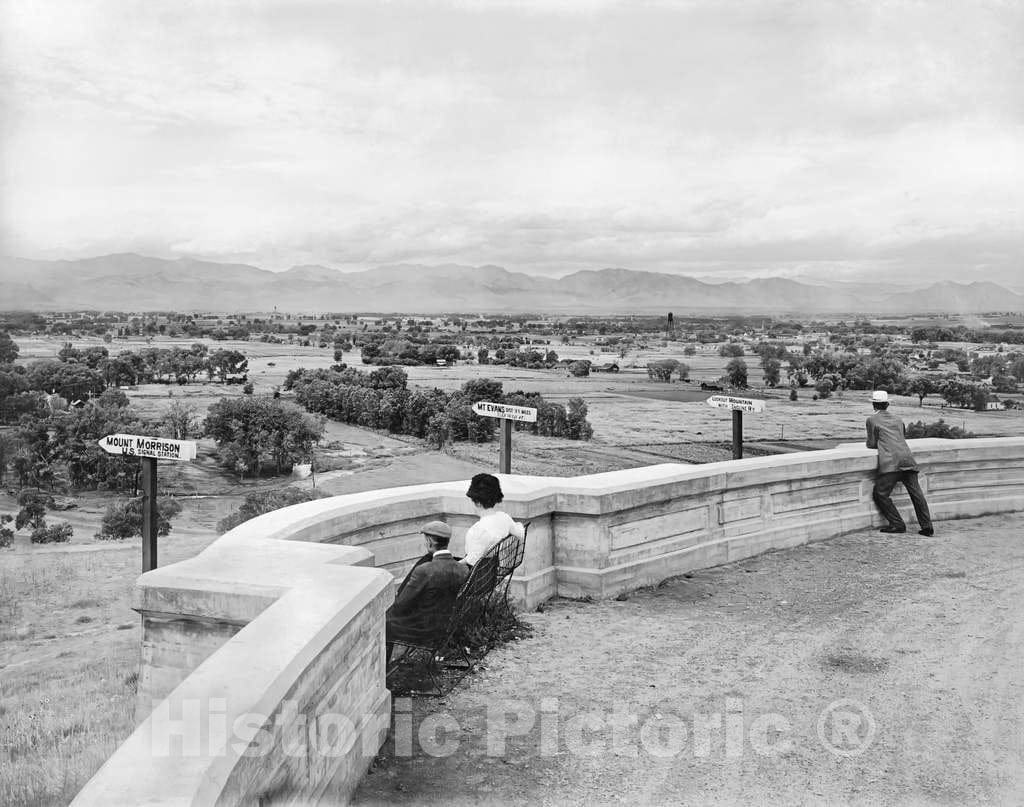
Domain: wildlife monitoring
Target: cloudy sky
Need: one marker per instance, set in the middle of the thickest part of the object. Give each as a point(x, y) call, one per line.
point(807, 138)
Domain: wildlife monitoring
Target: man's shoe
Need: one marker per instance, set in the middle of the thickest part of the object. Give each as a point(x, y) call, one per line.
point(890, 528)
point(927, 532)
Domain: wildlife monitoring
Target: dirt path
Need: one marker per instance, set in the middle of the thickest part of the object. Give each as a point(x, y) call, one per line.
point(862, 670)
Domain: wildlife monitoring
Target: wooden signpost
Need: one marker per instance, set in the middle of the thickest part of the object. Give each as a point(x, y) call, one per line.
point(738, 407)
point(507, 414)
point(149, 450)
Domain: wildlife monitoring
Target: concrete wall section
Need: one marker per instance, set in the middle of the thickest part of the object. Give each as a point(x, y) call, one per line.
point(267, 648)
point(291, 704)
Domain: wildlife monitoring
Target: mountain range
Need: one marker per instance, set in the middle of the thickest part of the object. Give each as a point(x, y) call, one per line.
point(130, 282)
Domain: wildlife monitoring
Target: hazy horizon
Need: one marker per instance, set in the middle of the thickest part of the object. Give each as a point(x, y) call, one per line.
point(818, 141)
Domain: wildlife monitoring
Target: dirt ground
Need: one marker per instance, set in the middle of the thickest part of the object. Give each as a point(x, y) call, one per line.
point(867, 670)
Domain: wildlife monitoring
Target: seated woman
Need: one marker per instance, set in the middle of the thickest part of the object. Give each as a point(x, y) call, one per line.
point(493, 525)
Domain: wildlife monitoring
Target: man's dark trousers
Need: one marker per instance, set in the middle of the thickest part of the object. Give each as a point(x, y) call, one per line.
point(884, 483)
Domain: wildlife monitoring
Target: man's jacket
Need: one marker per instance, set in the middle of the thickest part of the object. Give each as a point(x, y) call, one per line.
point(425, 601)
point(886, 433)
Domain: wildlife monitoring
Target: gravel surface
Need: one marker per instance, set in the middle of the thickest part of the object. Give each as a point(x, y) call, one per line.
point(868, 669)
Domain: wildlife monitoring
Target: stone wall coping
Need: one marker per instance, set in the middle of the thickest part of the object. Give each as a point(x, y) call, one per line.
point(250, 675)
point(529, 496)
point(240, 575)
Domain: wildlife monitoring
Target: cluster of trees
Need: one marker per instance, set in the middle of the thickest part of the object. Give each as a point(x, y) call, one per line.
point(32, 515)
point(54, 448)
point(257, 432)
point(961, 333)
point(381, 400)
point(407, 352)
point(78, 374)
point(663, 369)
point(938, 429)
point(528, 357)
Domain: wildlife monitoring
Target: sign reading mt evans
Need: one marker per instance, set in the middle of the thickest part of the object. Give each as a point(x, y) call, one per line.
point(161, 448)
point(732, 402)
point(496, 410)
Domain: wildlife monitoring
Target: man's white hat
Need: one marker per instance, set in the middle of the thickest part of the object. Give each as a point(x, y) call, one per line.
point(879, 396)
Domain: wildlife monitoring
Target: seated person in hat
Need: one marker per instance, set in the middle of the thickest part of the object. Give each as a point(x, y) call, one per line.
point(493, 524)
point(426, 597)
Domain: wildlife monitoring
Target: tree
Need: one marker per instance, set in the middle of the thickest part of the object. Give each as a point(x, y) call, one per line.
point(389, 378)
point(1016, 369)
point(733, 349)
point(124, 519)
point(980, 399)
point(921, 386)
point(957, 393)
point(223, 363)
point(772, 368)
point(662, 369)
point(824, 387)
point(256, 430)
point(736, 371)
point(580, 369)
point(6, 533)
point(33, 510)
point(8, 348)
point(577, 427)
point(180, 420)
point(482, 389)
point(690, 350)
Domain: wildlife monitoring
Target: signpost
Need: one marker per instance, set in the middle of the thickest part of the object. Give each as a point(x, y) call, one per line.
point(149, 450)
point(506, 413)
point(738, 407)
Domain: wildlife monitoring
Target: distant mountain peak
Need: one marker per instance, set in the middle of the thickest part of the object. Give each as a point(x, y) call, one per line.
point(191, 284)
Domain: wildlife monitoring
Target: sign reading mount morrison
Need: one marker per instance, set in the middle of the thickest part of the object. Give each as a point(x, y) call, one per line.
point(160, 448)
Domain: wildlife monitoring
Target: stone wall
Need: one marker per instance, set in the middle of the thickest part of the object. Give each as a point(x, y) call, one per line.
point(278, 614)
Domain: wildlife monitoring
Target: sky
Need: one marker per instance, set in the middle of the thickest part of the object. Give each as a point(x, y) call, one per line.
point(812, 139)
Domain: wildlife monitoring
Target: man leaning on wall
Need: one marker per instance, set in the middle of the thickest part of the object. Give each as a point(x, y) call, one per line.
point(896, 463)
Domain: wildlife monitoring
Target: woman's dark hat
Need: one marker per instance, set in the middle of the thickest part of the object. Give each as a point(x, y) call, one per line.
point(485, 487)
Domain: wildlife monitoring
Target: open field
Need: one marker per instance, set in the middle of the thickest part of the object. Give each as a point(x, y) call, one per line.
point(69, 640)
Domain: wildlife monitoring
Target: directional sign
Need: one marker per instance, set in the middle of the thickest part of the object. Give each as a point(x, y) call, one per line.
point(495, 410)
point(738, 404)
point(161, 448)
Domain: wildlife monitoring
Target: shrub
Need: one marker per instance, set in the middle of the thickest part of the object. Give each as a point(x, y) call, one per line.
point(580, 369)
point(256, 504)
point(33, 509)
point(939, 429)
point(124, 519)
point(6, 533)
point(247, 389)
point(55, 534)
point(792, 394)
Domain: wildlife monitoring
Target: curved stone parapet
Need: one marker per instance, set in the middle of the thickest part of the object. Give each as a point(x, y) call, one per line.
point(282, 617)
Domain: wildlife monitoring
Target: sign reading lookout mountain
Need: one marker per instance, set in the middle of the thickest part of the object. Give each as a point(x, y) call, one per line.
point(160, 448)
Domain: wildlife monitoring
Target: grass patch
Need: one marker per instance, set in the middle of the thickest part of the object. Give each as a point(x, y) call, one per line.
point(68, 702)
point(57, 726)
point(87, 602)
